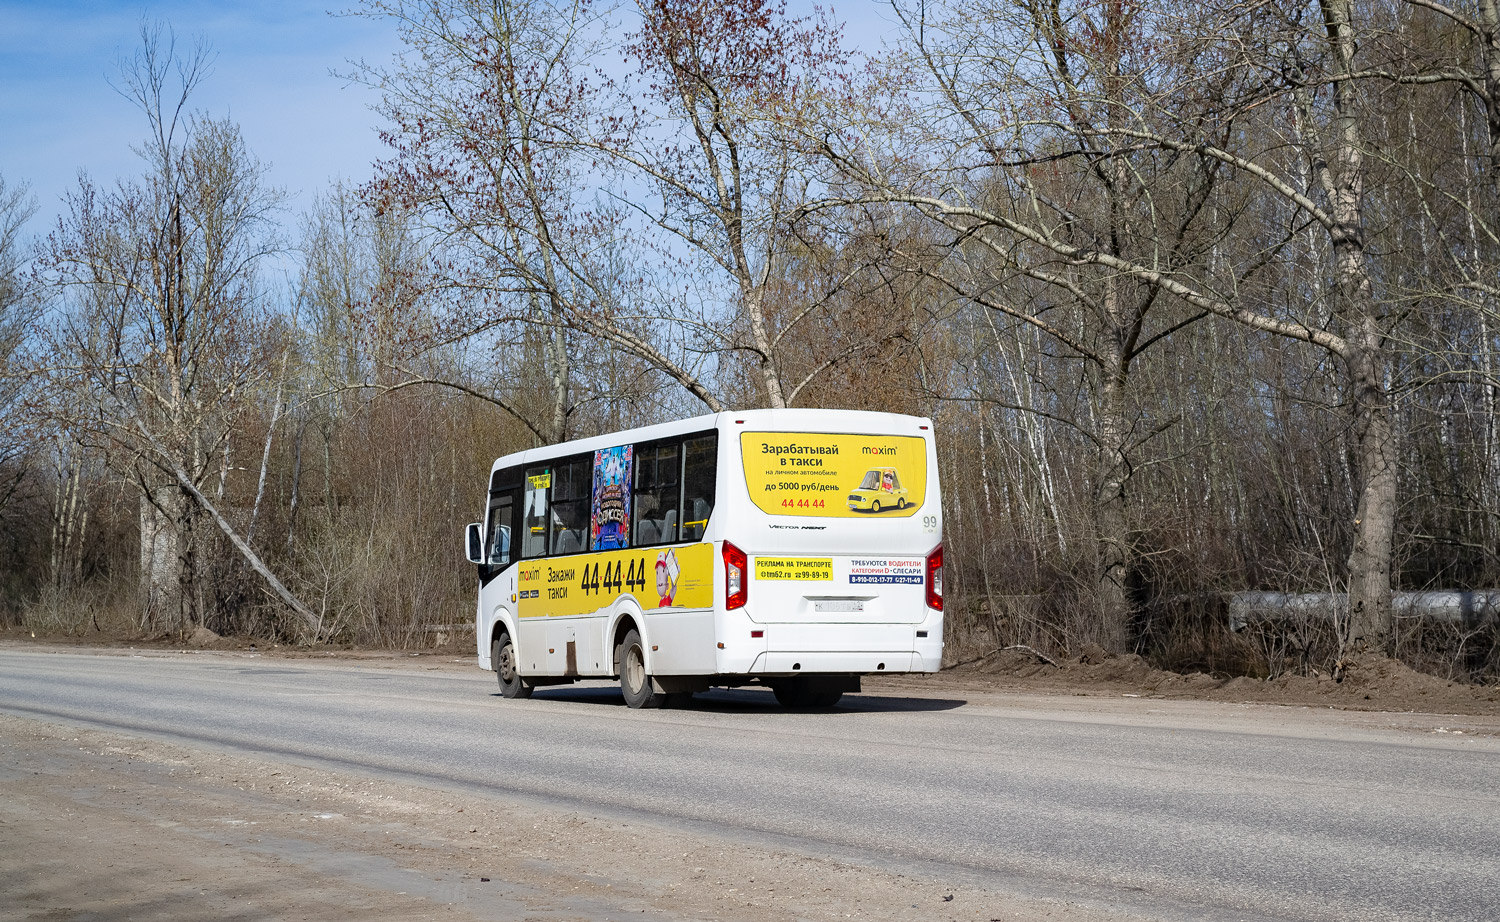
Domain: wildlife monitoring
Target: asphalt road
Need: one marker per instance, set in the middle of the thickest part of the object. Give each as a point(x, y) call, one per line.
point(1206, 813)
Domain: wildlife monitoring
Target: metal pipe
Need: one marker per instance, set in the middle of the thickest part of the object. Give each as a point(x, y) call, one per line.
point(1471, 608)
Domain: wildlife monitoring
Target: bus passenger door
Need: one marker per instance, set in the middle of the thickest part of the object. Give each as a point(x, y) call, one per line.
point(499, 535)
point(497, 579)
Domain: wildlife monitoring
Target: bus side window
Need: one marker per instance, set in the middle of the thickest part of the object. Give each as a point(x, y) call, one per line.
point(534, 523)
point(655, 495)
point(699, 474)
point(498, 532)
point(570, 506)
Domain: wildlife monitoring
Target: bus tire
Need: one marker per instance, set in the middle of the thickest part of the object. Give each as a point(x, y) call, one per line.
point(503, 658)
point(635, 681)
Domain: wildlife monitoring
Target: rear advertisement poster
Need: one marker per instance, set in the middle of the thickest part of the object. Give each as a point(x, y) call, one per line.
point(831, 475)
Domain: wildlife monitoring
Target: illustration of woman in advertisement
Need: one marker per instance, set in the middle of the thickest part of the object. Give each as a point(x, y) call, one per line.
point(667, 572)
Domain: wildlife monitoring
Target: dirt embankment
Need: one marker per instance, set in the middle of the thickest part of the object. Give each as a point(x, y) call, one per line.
point(1374, 684)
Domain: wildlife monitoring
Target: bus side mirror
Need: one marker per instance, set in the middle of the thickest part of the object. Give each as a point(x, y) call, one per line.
point(476, 544)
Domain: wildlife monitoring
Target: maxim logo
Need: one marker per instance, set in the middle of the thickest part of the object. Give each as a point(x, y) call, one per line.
point(879, 449)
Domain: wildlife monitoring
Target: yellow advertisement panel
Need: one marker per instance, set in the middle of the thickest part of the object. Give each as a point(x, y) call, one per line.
point(666, 577)
point(797, 568)
point(823, 474)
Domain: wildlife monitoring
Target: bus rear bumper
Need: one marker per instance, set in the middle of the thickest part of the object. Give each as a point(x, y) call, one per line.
point(793, 649)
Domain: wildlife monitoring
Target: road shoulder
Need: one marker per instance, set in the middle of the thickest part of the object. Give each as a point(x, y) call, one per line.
point(114, 827)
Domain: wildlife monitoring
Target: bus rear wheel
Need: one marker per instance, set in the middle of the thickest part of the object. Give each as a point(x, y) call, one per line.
point(503, 657)
point(635, 682)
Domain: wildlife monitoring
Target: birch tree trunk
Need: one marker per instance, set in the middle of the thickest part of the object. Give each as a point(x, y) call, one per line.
point(1489, 38)
point(1111, 474)
point(160, 587)
point(1342, 175)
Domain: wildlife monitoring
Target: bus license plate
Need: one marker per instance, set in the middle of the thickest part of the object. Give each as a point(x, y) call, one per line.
point(838, 605)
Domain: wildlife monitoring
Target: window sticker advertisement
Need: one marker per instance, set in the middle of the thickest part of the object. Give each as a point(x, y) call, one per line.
point(609, 525)
point(668, 577)
point(829, 475)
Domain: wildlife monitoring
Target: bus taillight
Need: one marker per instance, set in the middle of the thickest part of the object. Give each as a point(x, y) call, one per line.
point(736, 583)
point(934, 578)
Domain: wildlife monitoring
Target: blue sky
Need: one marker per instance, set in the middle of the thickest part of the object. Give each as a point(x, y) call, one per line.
point(271, 73)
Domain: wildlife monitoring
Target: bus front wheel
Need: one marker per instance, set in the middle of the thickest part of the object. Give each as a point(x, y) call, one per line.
point(503, 657)
point(635, 682)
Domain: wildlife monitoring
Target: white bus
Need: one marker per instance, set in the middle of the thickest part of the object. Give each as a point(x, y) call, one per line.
point(797, 549)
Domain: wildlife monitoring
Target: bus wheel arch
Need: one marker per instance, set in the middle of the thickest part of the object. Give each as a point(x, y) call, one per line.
point(501, 625)
point(503, 658)
point(625, 622)
point(633, 665)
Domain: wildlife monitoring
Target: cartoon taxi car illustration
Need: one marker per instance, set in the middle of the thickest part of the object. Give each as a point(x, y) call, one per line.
point(881, 489)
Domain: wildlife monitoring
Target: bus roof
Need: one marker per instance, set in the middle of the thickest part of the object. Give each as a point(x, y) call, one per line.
point(785, 420)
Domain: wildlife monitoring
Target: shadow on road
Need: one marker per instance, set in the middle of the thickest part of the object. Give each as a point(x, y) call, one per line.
point(747, 701)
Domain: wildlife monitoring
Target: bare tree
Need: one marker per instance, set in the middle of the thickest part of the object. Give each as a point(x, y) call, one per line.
point(19, 443)
point(1006, 144)
point(739, 84)
point(1452, 73)
point(159, 340)
point(16, 208)
point(1267, 103)
point(485, 117)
